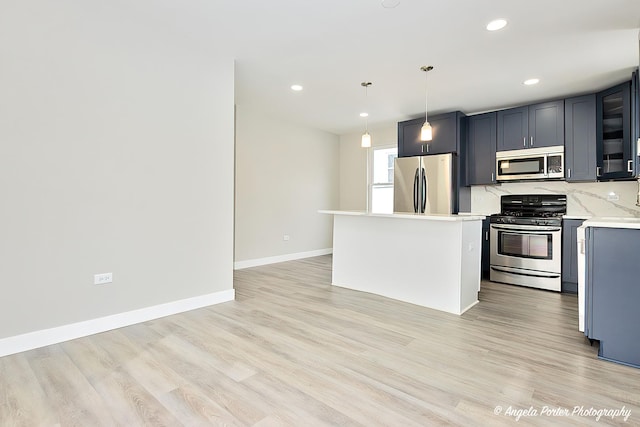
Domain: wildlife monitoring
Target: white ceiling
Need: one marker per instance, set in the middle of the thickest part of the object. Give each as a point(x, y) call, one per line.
point(331, 46)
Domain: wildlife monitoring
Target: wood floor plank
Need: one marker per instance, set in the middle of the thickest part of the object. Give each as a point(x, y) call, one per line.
point(293, 350)
point(22, 399)
point(70, 395)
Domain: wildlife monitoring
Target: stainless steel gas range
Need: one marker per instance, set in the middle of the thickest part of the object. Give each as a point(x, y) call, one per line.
point(526, 241)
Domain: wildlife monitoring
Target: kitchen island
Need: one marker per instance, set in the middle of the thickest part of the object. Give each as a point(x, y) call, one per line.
point(428, 260)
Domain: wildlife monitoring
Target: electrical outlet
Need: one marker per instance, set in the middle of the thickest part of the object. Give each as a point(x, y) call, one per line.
point(103, 278)
point(285, 237)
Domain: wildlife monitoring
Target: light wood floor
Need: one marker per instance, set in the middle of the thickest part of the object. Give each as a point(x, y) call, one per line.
point(292, 350)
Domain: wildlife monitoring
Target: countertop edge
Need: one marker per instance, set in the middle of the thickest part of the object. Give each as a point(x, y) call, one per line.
point(610, 222)
point(444, 217)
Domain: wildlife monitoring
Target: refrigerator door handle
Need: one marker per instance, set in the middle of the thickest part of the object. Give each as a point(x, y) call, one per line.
point(415, 192)
point(424, 191)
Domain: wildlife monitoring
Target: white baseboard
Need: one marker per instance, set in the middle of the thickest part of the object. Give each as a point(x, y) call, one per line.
point(31, 340)
point(239, 265)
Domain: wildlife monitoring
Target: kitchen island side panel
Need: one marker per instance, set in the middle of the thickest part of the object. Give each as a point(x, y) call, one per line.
point(417, 261)
point(471, 265)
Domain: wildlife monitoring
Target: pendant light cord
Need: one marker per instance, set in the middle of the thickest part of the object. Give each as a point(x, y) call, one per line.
point(366, 104)
point(426, 96)
point(426, 69)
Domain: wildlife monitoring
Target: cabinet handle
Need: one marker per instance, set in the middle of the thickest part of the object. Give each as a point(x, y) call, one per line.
point(524, 141)
point(569, 173)
point(630, 166)
point(427, 148)
point(532, 141)
point(492, 177)
point(486, 236)
point(599, 171)
point(581, 246)
point(422, 148)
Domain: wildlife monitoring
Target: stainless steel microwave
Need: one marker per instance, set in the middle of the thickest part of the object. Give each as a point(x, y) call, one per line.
point(530, 163)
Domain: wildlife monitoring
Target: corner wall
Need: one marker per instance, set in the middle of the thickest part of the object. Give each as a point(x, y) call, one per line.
point(353, 164)
point(285, 173)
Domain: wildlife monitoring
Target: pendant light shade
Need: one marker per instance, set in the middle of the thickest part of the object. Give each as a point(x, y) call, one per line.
point(426, 133)
point(366, 138)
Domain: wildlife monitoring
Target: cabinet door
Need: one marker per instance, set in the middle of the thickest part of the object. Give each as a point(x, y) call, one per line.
point(486, 249)
point(513, 129)
point(409, 143)
point(546, 124)
point(481, 155)
point(570, 255)
point(613, 133)
point(445, 134)
point(580, 138)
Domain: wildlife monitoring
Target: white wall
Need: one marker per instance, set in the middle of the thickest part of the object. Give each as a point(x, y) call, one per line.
point(587, 199)
point(353, 164)
point(285, 173)
point(116, 156)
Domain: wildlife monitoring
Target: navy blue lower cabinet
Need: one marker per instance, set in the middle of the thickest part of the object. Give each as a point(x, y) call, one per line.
point(486, 249)
point(570, 255)
point(613, 293)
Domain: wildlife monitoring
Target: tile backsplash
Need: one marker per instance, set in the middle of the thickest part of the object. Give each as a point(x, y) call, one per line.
point(589, 199)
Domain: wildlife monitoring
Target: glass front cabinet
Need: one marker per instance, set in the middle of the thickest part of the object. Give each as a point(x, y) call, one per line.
point(613, 130)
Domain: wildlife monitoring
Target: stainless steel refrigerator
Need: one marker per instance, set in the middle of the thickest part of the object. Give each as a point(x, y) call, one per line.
point(425, 184)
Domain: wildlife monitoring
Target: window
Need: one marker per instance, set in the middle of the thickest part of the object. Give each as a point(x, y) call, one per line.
point(382, 179)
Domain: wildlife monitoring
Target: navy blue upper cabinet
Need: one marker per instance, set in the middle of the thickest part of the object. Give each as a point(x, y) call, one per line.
point(481, 154)
point(580, 138)
point(613, 132)
point(546, 124)
point(447, 132)
point(538, 125)
point(635, 119)
point(409, 143)
point(513, 128)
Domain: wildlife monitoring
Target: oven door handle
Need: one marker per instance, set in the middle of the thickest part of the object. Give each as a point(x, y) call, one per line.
point(527, 228)
point(532, 274)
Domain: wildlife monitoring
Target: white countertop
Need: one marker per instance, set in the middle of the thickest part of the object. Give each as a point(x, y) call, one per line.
point(613, 222)
point(463, 216)
point(585, 217)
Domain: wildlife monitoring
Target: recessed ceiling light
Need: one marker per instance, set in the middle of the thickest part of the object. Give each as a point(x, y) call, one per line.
point(297, 88)
point(364, 114)
point(496, 25)
point(532, 82)
point(390, 4)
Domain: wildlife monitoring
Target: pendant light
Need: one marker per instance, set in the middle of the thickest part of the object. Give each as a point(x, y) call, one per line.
point(366, 138)
point(426, 133)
